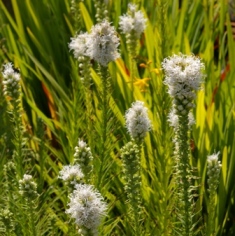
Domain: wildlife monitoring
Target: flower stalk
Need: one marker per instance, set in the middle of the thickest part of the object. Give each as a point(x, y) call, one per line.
point(28, 191)
point(138, 124)
point(12, 91)
point(213, 173)
point(83, 157)
point(130, 155)
point(183, 78)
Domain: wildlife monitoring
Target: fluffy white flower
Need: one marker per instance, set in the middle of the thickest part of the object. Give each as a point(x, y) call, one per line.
point(86, 206)
point(103, 43)
point(173, 119)
point(79, 44)
point(71, 173)
point(11, 80)
point(26, 178)
point(183, 76)
point(191, 120)
point(137, 121)
point(133, 22)
point(213, 158)
point(81, 143)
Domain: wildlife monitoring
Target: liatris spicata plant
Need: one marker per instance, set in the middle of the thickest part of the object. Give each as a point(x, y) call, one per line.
point(84, 158)
point(213, 174)
point(71, 174)
point(28, 191)
point(86, 207)
point(138, 124)
point(103, 48)
point(12, 91)
point(132, 25)
point(183, 78)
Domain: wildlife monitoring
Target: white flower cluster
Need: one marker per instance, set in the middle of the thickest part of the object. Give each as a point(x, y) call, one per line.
point(101, 44)
point(213, 159)
point(133, 22)
point(10, 82)
point(28, 187)
point(183, 76)
point(79, 45)
point(71, 174)
point(173, 119)
point(137, 121)
point(87, 207)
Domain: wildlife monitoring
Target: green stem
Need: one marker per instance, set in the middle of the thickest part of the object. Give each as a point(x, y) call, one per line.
point(32, 217)
point(89, 116)
point(211, 215)
point(75, 9)
point(18, 140)
point(132, 45)
point(131, 153)
point(105, 78)
point(185, 172)
point(136, 193)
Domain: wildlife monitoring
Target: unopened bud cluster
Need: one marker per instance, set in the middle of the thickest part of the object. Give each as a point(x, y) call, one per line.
point(213, 172)
point(27, 187)
point(101, 10)
point(130, 155)
point(83, 157)
point(6, 217)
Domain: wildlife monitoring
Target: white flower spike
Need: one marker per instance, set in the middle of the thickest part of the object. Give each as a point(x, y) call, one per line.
point(87, 207)
point(137, 121)
point(183, 76)
point(71, 173)
point(103, 43)
point(133, 22)
point(79, 45)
